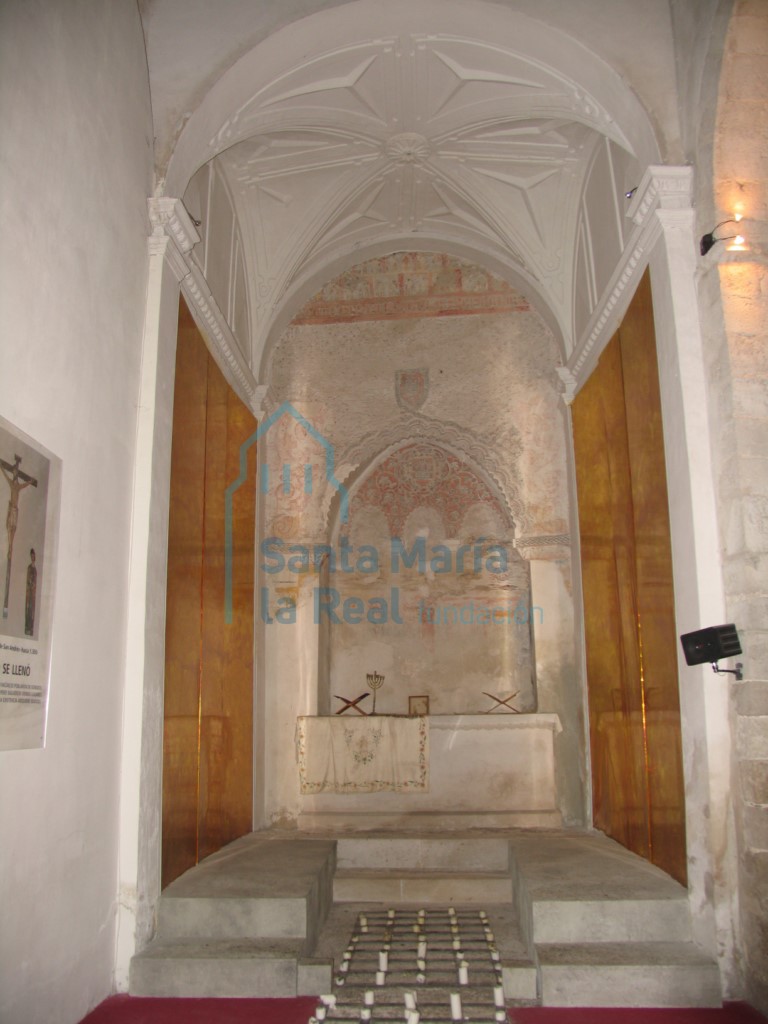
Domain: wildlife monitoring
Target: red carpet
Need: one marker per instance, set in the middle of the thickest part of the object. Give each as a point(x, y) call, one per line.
point(130, 1010)
point(731, 1013)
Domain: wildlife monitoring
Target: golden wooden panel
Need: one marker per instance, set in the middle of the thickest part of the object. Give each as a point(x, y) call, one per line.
point(207, 764)
point(631, 639)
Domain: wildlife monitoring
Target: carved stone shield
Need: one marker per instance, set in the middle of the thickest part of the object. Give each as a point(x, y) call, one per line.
point(411, 388)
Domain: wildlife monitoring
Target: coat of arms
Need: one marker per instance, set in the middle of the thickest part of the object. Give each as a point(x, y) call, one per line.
point(411, 388)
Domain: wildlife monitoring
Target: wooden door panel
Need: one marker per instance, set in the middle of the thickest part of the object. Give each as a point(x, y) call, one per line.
point(631, 642)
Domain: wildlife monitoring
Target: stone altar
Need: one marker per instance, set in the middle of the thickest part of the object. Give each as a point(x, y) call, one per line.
point(484, 771)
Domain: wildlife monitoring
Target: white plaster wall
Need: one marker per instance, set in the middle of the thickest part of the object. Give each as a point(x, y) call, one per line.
point(76, 171)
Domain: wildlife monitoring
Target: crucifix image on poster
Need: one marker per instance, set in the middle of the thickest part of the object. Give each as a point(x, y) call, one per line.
point(30, 492)
point(17, 480)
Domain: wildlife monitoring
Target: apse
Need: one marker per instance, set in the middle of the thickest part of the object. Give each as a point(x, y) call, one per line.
point(436, 551)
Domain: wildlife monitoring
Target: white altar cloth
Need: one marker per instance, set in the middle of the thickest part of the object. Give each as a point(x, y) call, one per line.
point(362, 755)
point(485, 770)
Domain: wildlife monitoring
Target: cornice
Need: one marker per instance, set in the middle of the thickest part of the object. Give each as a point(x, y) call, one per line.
point(661, 191)
point(224, 347)
point(174, 236)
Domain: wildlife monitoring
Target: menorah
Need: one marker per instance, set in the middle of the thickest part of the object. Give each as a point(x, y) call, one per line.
point(374, 681)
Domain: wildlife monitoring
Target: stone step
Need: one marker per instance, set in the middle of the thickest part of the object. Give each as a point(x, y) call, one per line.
point(417, 887)
point(422, 854)
point(232, 917)
point(254, 888)
point(242, 968)
point(627, 974)
point(611, 920)
point(520, 982)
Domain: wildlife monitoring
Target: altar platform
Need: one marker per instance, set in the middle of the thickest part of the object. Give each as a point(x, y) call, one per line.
point(445, 772)
point(577, 920)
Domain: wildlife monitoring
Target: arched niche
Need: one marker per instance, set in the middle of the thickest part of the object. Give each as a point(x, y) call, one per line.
point(438, 599)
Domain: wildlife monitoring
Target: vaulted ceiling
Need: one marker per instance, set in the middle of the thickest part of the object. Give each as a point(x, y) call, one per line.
point(427, 124)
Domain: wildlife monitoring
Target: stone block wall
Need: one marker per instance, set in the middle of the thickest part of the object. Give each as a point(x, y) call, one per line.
point(739, 389)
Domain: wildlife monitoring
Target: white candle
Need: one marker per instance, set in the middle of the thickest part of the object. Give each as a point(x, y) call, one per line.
point(489, 936)
point(498, 995)
point(320, 1013)
point(413, 1017)
point(456, 1006)
point(501, 1016)
point(421, 978)
point(383, 957)
point(483, 916)
point(329, 1001)
point(494, 954)
point(380, 977)
point(346, 955)
point(410, 1001)
point(421, 965)
point(463, 973)
point(368, 997)
point(457, 943)
point(421, 949)
point(416, 929)
point(344, 967)
point(363, 919)
point(365, 1014)
point(390, 914)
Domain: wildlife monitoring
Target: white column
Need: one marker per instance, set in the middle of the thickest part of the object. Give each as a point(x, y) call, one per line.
point(141, 770)
point(698, 578)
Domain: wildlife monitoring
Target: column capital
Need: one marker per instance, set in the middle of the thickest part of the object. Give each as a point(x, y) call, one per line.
point(661, 188)
point(168, 216)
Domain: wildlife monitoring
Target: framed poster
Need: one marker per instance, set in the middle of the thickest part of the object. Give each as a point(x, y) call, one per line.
point(30, 481)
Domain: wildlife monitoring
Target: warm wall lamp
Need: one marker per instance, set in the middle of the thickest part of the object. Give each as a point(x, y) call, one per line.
point(708, 240)
point(712, 645)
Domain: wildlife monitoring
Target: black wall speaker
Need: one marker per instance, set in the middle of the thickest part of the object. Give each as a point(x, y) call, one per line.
point(710, 644)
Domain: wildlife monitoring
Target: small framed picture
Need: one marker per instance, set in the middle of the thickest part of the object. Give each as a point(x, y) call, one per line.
point(418, 706)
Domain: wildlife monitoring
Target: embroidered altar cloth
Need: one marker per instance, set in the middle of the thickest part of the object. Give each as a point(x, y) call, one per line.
point(362, 755)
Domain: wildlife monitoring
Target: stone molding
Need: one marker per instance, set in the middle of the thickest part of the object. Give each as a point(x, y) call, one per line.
point(661, 191)
point(168, 215)
point(221, 341)
point(174, 236)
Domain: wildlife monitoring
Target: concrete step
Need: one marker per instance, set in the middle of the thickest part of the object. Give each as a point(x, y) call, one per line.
point(246, 968)
point(256, 887)
point(417, 887)
point(232, 918)
point(243, 922)
point(611, 920)
point(520, 982)
point(627, 974)
point(422, 854)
